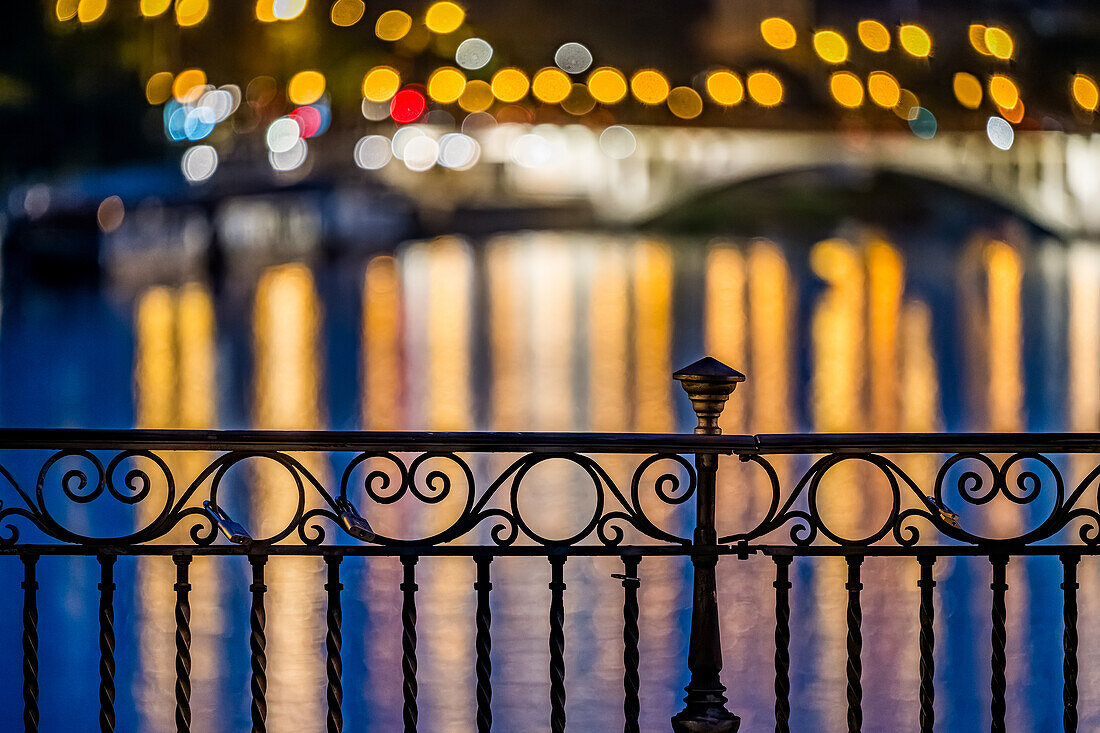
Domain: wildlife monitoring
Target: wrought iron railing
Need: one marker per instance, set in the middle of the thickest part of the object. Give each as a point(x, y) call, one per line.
point(941, 514)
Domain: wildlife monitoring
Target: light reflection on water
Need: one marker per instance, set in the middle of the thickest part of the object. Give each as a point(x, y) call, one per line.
point(553, 331)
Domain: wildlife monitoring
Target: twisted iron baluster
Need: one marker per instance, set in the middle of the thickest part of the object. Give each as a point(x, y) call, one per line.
point(107, 643)
point(257, 644)
point(999, 638)
point(855, 646)
point(1069, 641)
point(30, 643)
point(557, 644)
point(782, 586)
point(333, 642)
point(183, 644)
point(483, 645)
point(408, 642)
point(631, 704)
point(927, 644)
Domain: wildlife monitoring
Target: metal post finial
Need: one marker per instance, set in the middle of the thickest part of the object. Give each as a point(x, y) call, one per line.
point(708, 383)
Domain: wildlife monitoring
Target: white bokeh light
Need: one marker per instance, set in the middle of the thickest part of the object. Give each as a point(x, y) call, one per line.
point(421, 153)
point(618, 142)
point(532, 151)
point(199, 163)
point(282, 135)
point(473, 53)
point(288, 160)
point(458, 151)
point(373, 152)
point(999, 132)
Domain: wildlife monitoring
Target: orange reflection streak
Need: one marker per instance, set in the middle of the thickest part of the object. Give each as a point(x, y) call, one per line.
point(885, 281)
point(770, 314)
point(382, 406)
point(726, 324)
point(286, 325)
point(608, 345)
point(653, 337)
point(1004, 271)
point(508, 314)
point(450, 275)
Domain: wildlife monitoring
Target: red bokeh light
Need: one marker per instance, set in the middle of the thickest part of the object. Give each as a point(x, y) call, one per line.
point(308, 119)
point(407, 106)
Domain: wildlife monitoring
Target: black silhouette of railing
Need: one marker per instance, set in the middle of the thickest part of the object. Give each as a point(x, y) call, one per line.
point(945, 517)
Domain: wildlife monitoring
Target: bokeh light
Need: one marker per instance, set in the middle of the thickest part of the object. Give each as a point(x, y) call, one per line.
point(510, 85)
point(289, 160)
point(153, 8)
point(618, 142)
point(392, 25)
point(976, 34)
point(265, 11)
point(907, 106)
point(191, 12)
point(198, 123)
point(1003, 91)
point(458, 151)
point(66, 9)
point(968, 90)
point(915, 40)
point(1085, 92)
point(309, 120)
point(421, 153)
point(579, 102)
point(345, 13)
point(765, 88)
point(607, 85)
point(649, 86)
point(444, 17)
point(158, 89)
point(477, 96)
point(846, 88)
point(999, 43)
point(473, 53)
point(109, 214)
point(306, 87)
point(874, 36)
point(89, 11)
point(551, 85)
point(407, 106)
point(725, 87)
point(778, 33)
point(1015, 115)
point(999, 132)
point(573, 58)
point(372, 152)
point(883, 89)
point(831, 47)
point(282, 134)
point(402, 138)
point(381, 83)
point(446, 85)
point(923, 123)
point(188, 85)
point(199, 163)
point(287, 9)
point(685, 103)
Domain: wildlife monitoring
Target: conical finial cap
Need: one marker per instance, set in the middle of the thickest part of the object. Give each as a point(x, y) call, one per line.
point(708, 383)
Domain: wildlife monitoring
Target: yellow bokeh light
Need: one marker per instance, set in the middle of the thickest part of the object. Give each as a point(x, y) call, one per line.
point(551, 85)
point(765, 88)
point(446, 85)
point(968, 90)
point(265, 11)
point(159, 87)
point(999, 43)
point(346, 13)
point(188, 85)
point(685, 103)
point(830, 46)
point(915, 40)
point(579, 102)
point(381, 83)
point(1085, 92)
point(306, 87)
point(846, 89)
point(89, 11)
point(1014, 115)
point(66, 9)
point(510, 85)
point(607, 85)
point(883, 89)
point(191, 12)
point(725, 87)
point(392, 25)
point(444, 17)
point(476, 97)
point(153, 8)
point(778, 33)
point(288, 9)
point(976, 34)
point(874, 35)
point(1003, 91)
point(907, 106)
point(649, 86)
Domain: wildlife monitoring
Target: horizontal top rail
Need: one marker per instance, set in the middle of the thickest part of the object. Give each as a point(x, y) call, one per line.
point(531, 442)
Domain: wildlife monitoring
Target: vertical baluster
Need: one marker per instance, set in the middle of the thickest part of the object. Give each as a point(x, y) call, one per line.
point(106, 643)
point(408, 642)
point(782, 586)
point(1069, 641)
point(483, 645)
point(333, 642)
point(999, 638)
point(631, 684)
point(927, 644)
point(557, 643)
point(30, 643)
point(855, 646)
point(183, 644)
point(257, 644)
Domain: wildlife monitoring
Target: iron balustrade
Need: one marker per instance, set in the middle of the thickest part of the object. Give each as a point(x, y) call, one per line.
point(940, 519)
